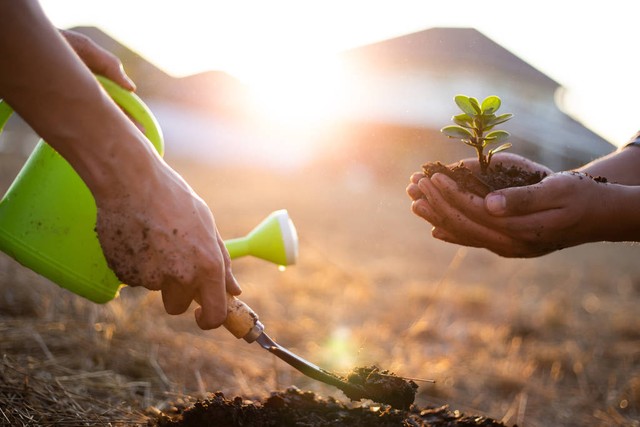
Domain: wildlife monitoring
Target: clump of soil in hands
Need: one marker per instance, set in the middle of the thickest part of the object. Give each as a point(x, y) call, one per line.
point(382, 386)
point(299, 408)
point(497, 177)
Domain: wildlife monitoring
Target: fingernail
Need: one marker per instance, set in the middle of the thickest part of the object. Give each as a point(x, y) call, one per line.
point(131, 83)
point(436, 233)
point(438, 179)
point(422, 183)
point(496, 203)
point(421, 207)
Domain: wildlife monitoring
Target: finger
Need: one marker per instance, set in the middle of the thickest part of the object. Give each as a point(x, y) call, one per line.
point(434, 208)
point(422, 209)
point(414, 192)
point(213, 311)
point(508, 248)
point(231, 284)
point(99, 60)
point(446, 190)
point(452, 225)
point(548, 194)
point(176, 297)
point(213, 302)
point(416, 177)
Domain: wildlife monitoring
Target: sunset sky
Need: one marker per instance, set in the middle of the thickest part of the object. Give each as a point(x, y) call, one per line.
point(589, 47)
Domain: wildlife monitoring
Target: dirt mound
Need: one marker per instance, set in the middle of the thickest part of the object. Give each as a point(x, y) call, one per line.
point(382, 386)
point(299, 408)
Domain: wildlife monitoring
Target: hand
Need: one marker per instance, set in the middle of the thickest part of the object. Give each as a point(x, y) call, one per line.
point(563, 210)
point(99, 60)
point(162, 236)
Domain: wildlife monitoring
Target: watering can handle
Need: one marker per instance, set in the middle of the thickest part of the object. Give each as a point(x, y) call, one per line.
point(5, 113)
point(137, 109)
point(129, 101)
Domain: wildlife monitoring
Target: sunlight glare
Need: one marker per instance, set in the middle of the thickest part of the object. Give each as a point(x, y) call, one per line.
point(340, 351)
point(297, 92)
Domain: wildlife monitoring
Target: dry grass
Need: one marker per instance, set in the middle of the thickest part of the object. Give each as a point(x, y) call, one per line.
point(550, 341)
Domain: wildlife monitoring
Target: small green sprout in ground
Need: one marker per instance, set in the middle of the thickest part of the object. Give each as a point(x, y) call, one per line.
point(476, 120)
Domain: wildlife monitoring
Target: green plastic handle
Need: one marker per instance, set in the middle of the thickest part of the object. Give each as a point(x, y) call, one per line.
point(5, 113)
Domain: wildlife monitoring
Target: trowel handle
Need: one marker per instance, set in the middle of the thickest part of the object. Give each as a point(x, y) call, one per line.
point(242, 321)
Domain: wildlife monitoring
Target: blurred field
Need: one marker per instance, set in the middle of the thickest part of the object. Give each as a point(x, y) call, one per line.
point(553, 341)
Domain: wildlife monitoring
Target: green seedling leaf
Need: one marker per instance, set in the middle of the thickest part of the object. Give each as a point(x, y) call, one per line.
point(491, 104)
point(456, 132)
point(463, 120)
point(463, 102)
point(503, 147)
point(486, 120)
point(497, 150)
point(500, 119)
point(476, 105)
point(497, 136)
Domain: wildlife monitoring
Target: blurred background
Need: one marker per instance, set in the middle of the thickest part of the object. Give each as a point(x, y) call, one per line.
point(326, 109)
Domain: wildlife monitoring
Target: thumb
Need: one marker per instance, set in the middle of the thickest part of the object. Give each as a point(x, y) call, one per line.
point(518, 200)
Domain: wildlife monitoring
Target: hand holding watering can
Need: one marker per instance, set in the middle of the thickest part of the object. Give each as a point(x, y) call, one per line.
point(50, 226)
point(48, 216)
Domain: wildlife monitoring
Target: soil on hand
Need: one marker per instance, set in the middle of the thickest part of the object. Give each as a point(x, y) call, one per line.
point(496, 178)
point(297, 408)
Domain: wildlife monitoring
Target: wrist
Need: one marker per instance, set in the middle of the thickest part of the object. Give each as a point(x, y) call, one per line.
point(128, 165)
point(108, 152)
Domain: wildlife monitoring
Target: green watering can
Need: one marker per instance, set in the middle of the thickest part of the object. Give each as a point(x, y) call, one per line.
point(48, 217)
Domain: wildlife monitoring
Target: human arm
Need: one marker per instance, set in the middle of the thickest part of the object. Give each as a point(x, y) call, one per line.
point(154, 229)
point(563, 210)
point(621, 166)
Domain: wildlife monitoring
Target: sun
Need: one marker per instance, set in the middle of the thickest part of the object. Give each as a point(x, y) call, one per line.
point(297, 92)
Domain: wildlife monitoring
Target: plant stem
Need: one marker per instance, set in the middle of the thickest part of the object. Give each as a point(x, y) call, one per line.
point(478, 132)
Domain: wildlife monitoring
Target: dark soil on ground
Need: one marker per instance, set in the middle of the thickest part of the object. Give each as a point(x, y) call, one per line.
point(299, 408)
point(382, 386)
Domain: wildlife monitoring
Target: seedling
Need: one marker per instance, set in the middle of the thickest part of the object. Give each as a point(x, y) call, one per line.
point(475, 126)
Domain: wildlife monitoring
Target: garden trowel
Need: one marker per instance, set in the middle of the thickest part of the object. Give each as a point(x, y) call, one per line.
point(243, 322)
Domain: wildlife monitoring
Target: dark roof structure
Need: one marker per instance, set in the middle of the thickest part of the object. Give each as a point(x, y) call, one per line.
point(446, 48)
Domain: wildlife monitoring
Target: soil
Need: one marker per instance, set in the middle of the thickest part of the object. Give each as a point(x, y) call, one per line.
point(382, 386)
point(304, 408)
point(497, 178)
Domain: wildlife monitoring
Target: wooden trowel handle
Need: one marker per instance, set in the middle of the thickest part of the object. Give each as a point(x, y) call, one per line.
point(241, 319)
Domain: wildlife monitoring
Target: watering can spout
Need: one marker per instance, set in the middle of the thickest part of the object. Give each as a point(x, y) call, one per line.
point(275, 240)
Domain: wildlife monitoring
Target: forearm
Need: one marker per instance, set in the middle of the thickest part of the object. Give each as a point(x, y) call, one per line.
point(616, 216)
point(51, 88)
point(621, 166)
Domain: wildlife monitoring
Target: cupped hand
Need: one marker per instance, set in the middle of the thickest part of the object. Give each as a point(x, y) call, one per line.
point(562, 210)
point(100, 61)
point(162, 236)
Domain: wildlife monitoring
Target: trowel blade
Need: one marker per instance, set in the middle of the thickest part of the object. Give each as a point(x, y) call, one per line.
point(308, 368)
